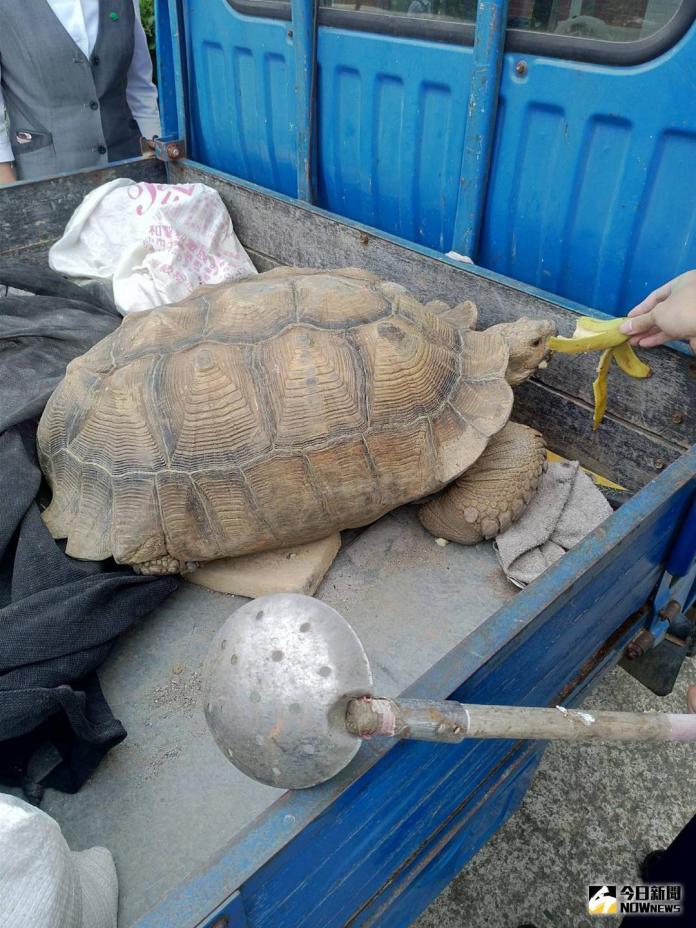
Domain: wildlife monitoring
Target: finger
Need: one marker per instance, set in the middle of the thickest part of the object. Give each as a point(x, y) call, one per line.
point(636, 339)
point(639, 324)
point(651, 301)
point(652, 341)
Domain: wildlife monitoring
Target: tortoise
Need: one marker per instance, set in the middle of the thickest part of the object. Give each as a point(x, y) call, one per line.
point(275, 410)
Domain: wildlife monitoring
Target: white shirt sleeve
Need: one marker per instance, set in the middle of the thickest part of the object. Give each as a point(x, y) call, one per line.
point(141, 93)
point(5, 147)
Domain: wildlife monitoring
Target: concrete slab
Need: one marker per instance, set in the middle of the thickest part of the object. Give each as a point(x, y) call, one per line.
point(290, 570)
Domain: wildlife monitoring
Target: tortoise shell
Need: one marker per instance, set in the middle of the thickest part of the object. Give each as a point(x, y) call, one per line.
point(264, 413)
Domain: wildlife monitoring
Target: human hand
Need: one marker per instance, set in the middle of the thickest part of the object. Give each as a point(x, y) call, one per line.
point(669, 313)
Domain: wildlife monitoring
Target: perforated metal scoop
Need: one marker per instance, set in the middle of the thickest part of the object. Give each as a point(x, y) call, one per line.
point(278, 679)
point(288, 698)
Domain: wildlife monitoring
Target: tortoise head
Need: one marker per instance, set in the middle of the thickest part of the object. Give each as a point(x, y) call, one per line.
point(527, 340)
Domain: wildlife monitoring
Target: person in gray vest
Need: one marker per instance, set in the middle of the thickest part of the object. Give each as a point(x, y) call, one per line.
point(76, 85)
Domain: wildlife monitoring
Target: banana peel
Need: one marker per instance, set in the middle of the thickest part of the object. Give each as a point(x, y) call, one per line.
point(629, 362)
point(599, 387)
point(602, 335)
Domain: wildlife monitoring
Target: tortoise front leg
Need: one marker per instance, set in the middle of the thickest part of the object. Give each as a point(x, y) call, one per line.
point(492, 494)
point(162, 566)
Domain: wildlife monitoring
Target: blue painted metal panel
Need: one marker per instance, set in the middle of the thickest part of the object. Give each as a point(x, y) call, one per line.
point(355, 839)
point(230, 914)
point(390, 136)
point(592, 170)
point(678, 582)
point(391, 132)
point(242, 95)
point(591, 176)
point(460, 838)
point(681, 558)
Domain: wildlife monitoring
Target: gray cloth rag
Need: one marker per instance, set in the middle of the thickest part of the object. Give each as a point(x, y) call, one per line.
point(566, 508)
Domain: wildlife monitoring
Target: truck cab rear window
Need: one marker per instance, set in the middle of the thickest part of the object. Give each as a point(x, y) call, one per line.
point(615, 32)
point(609, 20)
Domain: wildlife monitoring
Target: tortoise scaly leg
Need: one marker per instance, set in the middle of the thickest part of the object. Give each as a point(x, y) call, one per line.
point(492, 494)
point(163, 566)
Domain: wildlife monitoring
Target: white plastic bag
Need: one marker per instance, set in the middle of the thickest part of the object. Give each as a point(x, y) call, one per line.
point(43, 884)
point(156, 243)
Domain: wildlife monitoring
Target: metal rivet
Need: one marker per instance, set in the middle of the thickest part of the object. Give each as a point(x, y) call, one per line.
point(659, 464)
point(364, 239)
point(678, 418)
point(521, 68)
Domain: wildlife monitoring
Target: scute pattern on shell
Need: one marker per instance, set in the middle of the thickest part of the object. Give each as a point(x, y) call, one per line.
point(264, 413)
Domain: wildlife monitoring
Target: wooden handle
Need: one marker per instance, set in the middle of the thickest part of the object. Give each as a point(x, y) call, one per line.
point(423, 720)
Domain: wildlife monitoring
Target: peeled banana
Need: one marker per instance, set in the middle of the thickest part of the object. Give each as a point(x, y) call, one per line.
point(602, 335)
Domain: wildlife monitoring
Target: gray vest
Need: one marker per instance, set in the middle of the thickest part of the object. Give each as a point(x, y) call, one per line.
point(66, 111)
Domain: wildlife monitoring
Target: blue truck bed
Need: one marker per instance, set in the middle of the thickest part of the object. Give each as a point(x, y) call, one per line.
point(196, 843)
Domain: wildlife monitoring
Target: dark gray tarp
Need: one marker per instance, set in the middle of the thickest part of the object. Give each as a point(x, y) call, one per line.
point(58, 616)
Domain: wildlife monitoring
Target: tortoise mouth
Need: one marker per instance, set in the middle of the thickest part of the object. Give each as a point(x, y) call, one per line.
point(548, 352)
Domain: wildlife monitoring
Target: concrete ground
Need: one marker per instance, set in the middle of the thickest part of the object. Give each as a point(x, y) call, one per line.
point(590, 816)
